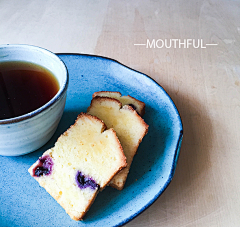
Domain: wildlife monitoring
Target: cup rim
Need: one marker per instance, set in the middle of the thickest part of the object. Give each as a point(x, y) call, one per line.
point(47, 105)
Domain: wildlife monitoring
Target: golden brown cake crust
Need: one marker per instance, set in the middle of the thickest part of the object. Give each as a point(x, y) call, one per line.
point(140, 106)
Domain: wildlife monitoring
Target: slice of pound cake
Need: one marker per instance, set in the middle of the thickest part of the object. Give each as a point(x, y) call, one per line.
point(129, 126)
point(136, 104)
point(82, 162)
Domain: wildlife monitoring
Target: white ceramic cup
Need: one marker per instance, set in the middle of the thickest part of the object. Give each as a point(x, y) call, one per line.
point(27, 133)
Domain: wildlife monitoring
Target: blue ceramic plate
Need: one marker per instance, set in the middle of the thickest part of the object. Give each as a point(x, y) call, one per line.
point(24, 203)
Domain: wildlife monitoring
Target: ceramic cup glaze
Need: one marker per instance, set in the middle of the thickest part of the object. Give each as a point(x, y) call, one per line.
point(26, 133)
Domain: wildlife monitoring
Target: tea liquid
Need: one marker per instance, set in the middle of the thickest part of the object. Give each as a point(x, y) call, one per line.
point(24, 87)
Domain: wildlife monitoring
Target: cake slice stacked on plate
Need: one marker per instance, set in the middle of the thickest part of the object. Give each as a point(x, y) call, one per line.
point(82, 162)
point(118, 112)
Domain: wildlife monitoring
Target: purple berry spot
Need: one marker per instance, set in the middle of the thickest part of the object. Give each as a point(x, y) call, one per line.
point(44, 166)
point(134, 107)
point(84, 181)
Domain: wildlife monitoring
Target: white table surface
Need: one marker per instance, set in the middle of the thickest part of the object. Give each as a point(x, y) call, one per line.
point(204, 83)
